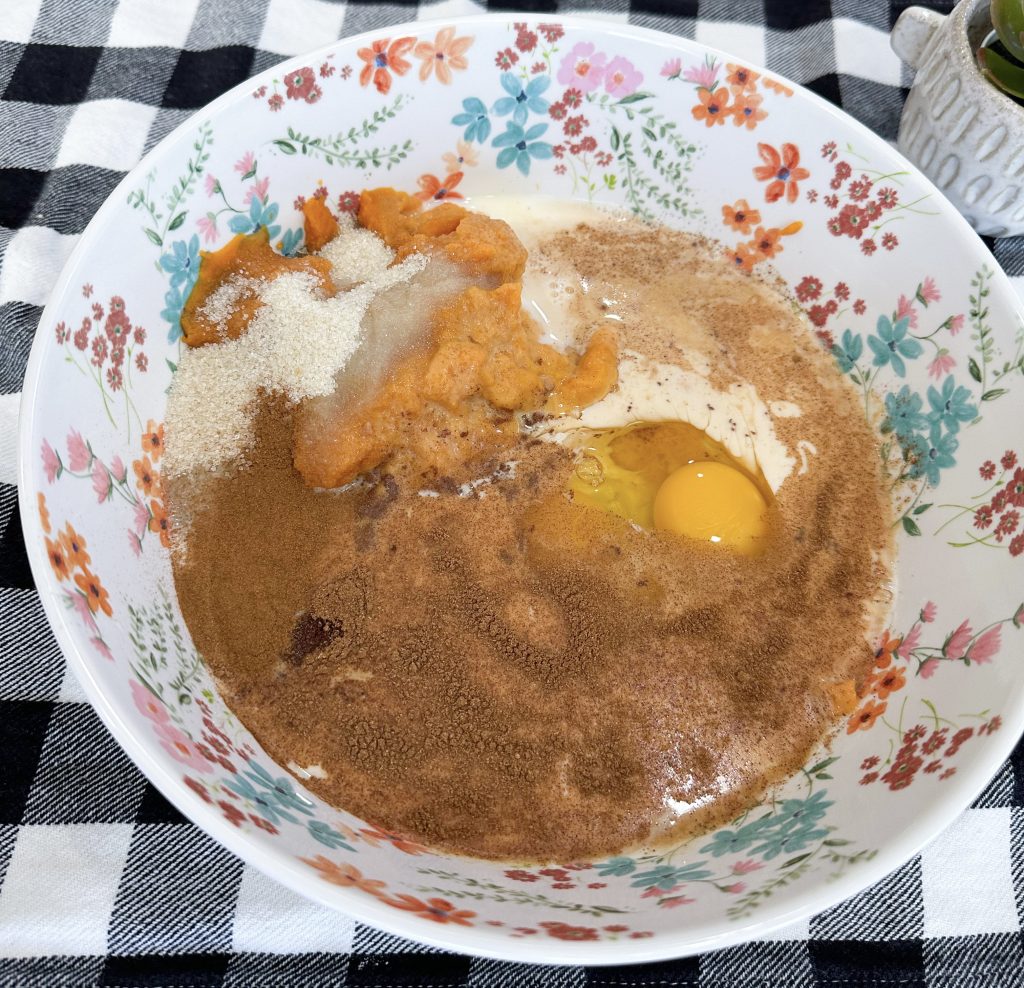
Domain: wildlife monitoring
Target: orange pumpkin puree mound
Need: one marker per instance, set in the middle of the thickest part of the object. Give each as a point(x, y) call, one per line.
point(453, 400)
point(246, 255)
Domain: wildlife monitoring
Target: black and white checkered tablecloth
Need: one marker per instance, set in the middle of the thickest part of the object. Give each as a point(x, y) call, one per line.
point(101, 881)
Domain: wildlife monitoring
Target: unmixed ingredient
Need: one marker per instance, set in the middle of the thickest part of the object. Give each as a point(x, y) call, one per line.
point(480, 661)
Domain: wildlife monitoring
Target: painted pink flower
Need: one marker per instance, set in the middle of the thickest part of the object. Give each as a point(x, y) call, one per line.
point(141, 518)
point(905, 308)
point(928, 292)
point(911, 642)
point(655, 892)
point(928, 668)
point(956, 324)
point(705, 76)
point(672, 68)
point(80, 603)
point(582, 67)
point(621, 77)
point(257, 190)
point(51, 462)
point(181, 747)
point(135, 543)
point(211, 185)
point(147, 703)
point(118, 470)
point(207, 226)
point(956, 644)
point(101, 481)
point(986, 646)
point(735, 888)
point(928, 612)
point(101, 646)
point(746, 867)
point(941, 365)
point(79, 456)
point(245, 164)
point(676, 900)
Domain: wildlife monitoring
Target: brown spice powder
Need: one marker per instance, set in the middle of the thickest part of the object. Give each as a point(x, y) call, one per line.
point(515, 676)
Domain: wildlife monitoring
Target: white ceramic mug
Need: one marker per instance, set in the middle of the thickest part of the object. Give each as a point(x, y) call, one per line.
point(962, 132)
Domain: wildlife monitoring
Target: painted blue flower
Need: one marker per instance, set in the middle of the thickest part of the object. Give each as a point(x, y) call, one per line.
point(903, 413)
point(280, 789)
point(616, 866)
point(665, 876)
point(892, 344)
point(291, 241)
point(793, 813)
point(264, 802)
point(520, 146)
point(787, 841)
point(847, 352)
point(261, 213)
point(729, 841)
point(951, 405)
point(182, 262)
point(474, 119)
point(930, 455)
point(327, 835)
point(520, 99)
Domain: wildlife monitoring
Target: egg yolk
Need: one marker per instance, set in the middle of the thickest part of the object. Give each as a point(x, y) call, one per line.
point(673, 477)
point(712, 502)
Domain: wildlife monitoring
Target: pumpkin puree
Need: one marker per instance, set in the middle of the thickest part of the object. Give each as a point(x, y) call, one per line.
point(453, 400)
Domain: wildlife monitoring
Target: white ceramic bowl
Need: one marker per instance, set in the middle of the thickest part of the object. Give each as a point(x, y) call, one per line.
point(893, 280)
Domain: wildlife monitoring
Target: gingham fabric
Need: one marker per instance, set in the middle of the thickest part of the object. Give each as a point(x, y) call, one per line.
point(102, 882)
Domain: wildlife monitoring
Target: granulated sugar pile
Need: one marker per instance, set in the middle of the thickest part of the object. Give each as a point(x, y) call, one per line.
point(295, 346)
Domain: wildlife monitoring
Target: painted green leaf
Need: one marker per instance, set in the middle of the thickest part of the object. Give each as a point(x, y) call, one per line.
point(922, 508)
point(286, 146)
point(176, 222)
point(975, 370)
point(910, 526)
point(993, 394)
point(154, 236)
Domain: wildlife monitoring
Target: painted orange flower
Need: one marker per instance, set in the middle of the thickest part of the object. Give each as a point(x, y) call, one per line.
point(153, 440)
point(743, 257)
point(463, 155)
point(766, 242)
point(888, 682)
point(431, 187)
point(159, 522)
point(382, 58)
point(746, 110)
point(864, 719)
point(740, 216)
point(44, 512)
point(781, 170)
point(777, 87)
point(345, 875)
point(887, 648)
point(374, 836)
point(75, 548)
point(438, 910)
point(446, 53)
point(740, 78)
point(58, 558)
point(713, 106)
point(146, 478)
point(94, 591)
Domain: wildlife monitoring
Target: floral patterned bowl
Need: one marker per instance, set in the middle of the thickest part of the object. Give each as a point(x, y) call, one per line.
point(894, 283)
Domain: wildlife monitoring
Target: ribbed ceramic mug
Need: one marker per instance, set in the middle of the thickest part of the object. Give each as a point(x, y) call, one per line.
point(963, 133)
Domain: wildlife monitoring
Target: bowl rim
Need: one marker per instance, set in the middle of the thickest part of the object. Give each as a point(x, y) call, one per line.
point(475, 941)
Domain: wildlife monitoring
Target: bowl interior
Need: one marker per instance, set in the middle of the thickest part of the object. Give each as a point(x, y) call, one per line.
point(894, 284)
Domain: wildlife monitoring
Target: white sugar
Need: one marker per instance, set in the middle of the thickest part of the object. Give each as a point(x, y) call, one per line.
point(295, 346)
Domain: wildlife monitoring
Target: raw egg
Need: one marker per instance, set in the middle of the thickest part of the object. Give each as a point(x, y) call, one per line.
point(672, 477)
